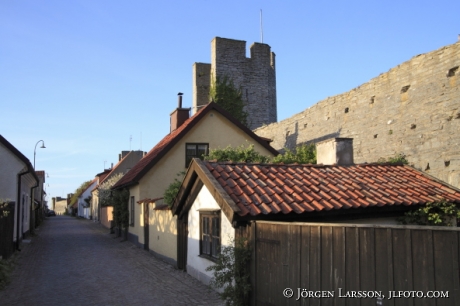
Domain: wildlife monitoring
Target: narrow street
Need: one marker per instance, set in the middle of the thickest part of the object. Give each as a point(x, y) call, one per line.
point(76, 262)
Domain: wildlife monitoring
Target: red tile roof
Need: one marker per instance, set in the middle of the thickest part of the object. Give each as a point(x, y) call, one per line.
point(157, 152)
point(267, 189)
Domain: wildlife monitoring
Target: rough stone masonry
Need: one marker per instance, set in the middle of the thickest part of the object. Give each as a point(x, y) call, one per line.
point(255, 76)
point(413, 109)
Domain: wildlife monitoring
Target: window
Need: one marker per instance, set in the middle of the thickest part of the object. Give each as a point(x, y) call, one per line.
point(195, 150)
point(210, 234)
point(131, 213)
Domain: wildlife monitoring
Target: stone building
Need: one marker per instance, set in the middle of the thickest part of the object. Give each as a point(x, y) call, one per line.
point(255, 76)
point(413, 108)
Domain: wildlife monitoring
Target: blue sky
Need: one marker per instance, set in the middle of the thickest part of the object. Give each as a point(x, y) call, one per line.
point(85, 76)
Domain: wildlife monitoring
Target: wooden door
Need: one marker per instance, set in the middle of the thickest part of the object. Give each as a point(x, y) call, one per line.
point(146, 226)
point(182, 239)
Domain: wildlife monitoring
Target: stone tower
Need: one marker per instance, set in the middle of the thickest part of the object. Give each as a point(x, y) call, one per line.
point(255, 76)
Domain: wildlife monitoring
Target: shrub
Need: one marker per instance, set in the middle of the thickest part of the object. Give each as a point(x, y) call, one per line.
point(441, 213)
point(172, 190)
point(238, 154)
point(231, 273)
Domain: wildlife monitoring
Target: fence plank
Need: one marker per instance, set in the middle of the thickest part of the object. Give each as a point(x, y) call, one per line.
point(339, 262)
point(326, 264)
point(444, 243)
point(384, 262)
point(305, 260)
point(352, 267)
point(315, 262)
point(422, 246)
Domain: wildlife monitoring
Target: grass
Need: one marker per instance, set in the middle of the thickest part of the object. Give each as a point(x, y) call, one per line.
point(6, 267)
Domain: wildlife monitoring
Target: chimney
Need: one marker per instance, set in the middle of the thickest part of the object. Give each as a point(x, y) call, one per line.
point(179, 115)
point(335, 151)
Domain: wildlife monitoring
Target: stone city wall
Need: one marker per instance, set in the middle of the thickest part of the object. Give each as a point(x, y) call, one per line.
point(413, 109)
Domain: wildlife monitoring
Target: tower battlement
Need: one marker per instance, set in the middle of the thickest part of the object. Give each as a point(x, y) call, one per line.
point(256, 76)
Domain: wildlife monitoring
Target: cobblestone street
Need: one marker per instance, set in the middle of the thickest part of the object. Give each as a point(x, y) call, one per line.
point(76, 262)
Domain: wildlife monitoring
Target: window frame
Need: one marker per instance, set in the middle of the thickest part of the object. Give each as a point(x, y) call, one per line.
point(196, 144)
point(214, 240)
point(131, 211)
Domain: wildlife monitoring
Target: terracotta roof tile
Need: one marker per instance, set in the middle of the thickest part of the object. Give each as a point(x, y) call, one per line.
point(298, 189)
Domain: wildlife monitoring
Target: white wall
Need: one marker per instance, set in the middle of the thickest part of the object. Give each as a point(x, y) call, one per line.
point(196, 265)
point(10, 166)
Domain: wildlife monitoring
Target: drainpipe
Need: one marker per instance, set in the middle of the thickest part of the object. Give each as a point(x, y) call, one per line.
point(32, 211)
point(18, 207)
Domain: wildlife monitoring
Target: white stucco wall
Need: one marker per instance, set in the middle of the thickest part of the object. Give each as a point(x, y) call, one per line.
point(10, 166)
point(196, 265)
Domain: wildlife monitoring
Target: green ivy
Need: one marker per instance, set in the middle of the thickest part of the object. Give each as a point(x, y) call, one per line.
point(120, 200)
point(77, 192)
point(231, 273)
point(224, 93)
point(303, 154)
point(441, 213)
point(238, 154)
point(172, 190)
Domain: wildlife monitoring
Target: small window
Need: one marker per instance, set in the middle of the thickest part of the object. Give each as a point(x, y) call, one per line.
point(193, 150)
point(210, 234)
point(131, 212)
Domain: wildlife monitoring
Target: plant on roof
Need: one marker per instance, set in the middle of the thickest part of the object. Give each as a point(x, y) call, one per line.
point(440, 213)
point(173, 188)
point(238, 154)
point(231, 273)
point(224, 93)
point(400, 158)
point(104, 191)
point(303, 154)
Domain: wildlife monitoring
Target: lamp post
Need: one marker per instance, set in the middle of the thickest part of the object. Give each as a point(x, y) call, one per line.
point(35, 150)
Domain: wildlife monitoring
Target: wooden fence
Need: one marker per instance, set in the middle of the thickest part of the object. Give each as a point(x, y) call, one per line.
point(6, 230)
point(331, 264)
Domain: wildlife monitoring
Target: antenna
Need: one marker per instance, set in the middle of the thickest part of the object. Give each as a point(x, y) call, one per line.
point(130, 139)
point(261, 28)
point(141, 143)
point(104, 163)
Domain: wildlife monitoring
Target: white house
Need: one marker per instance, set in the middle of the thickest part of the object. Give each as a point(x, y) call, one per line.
point(17, 180)
point(84, 200)
point(220, 201)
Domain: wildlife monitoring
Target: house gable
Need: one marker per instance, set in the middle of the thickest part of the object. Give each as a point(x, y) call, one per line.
point(169, 141)
point(196, 264)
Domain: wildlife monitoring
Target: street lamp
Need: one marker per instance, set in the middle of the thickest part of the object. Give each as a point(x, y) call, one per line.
point(35, 150)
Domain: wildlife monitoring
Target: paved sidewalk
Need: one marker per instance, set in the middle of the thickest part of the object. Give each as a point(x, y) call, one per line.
point(76, 262)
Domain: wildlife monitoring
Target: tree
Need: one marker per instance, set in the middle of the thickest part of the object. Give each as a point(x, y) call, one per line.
point(303, 154)
point(105, 191)
point(224, 93)
point(78, 191)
